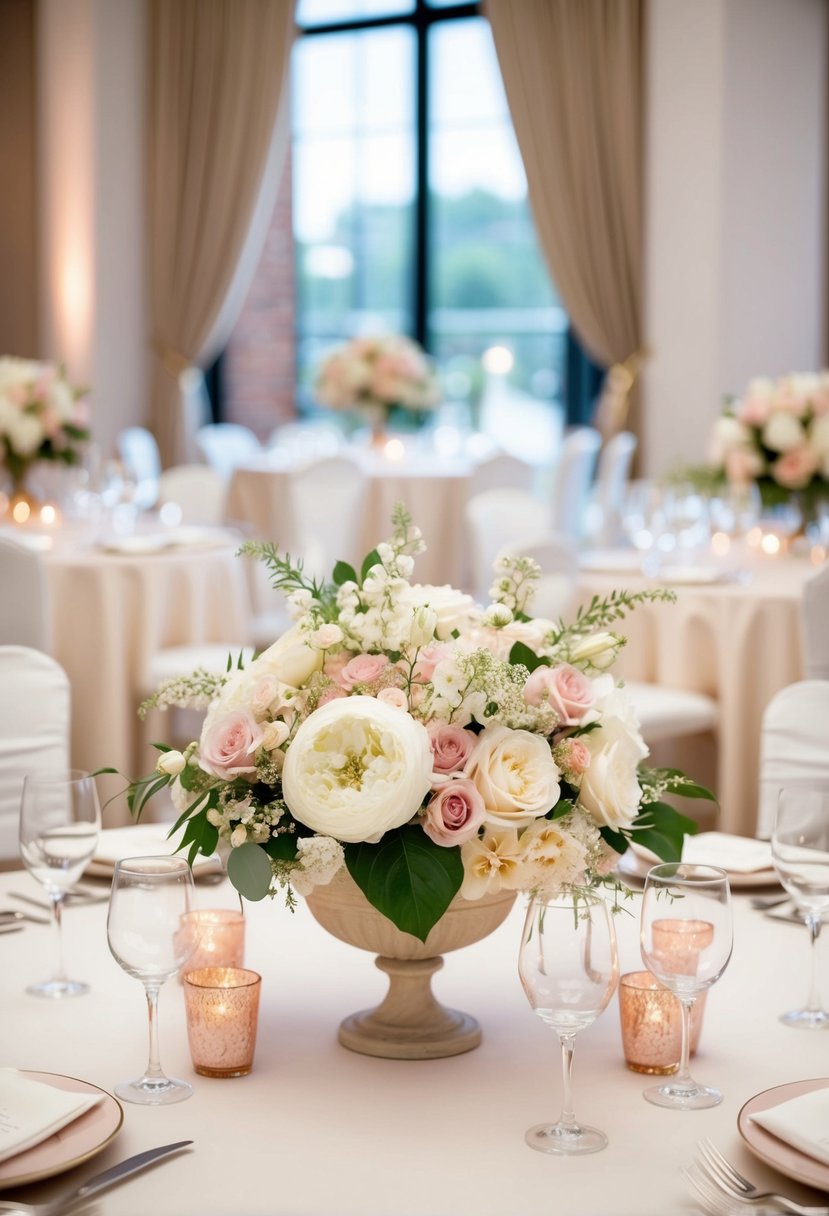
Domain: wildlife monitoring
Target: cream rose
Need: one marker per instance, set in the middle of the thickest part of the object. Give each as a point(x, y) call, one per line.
point(610, 789)
point(172, 763)
point(515, 774)
point(357, 768)
point(291, 659)
point(782, 432)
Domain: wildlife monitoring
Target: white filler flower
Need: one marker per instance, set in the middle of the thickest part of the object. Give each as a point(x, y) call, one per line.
point(357, 768)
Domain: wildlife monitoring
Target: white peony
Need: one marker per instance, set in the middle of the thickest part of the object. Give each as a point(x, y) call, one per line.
point(782, 432)
point(357, 768)
point(515, 773)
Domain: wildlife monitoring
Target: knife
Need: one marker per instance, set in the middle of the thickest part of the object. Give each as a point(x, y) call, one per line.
point(101, 1181)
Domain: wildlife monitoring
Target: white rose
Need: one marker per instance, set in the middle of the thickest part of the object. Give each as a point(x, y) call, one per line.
point(357, 768)
point(274, 735)
point(515, 773)
point(291, 659)
point(819, 437)
point(325, 636)
point(610, 788)
point(170, 763)
point(728, 433)
point(782, 432)
point(25, 434)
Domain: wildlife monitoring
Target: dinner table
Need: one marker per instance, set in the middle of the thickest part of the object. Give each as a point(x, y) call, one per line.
point(733, 634)
point(317, 1129)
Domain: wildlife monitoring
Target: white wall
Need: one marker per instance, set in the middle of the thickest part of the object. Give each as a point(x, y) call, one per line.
point(737, 207)
point(91, 110)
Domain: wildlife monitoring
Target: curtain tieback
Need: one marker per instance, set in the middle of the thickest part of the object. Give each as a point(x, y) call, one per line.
point(614, 404)
point(173, 361)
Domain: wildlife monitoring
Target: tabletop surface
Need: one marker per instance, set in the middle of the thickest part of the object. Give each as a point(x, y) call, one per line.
point(316, 1130)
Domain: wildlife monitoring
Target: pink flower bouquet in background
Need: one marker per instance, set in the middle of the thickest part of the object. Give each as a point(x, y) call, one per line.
point(41, 416)
point(429, 744)
point(373, 375)
point(777, 435)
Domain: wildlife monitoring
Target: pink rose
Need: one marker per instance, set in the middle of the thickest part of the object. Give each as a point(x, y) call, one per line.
point(795, 468)
point(742, 465)
point(451, 748)
point(575, 756)
point(228, 746)
point(394, 697)
point(564, 688)
point(428, 659)
point(334, 664)
point(362, 669)
point(455, 813)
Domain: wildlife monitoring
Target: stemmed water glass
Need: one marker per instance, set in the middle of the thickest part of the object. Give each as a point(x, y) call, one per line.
point(800, 853)
point(569, 969)
point(686, 938)
point(60, 819)
point(150, 895)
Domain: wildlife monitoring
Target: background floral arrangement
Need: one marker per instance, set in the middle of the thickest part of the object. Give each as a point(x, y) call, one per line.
point(430, 745)
point(375, 374)
point(777, 435)
point(41, 416)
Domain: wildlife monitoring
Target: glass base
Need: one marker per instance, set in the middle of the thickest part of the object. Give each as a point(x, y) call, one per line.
point(682, 1097)
point(806, 1019)
point(57, 989)
point(559, 1139)
point(153, 1091)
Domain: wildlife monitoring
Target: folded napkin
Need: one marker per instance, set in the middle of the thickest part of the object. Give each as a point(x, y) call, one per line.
point(738, 854)
point(140, 840)
point(31, 1111)
point(802, 1122)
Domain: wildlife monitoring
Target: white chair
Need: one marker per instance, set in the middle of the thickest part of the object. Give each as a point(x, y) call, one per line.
point(556, 588)
point(328, 499)
point(138, 452)
point(572, 480)
point(794, 745)
point(197, 489)
point(671, 713)
point(309, 440)
point(500, 521)
point(500, 471)
point(814, 619)
point(24, 602)
point(607, 499)
point(34, 729)
point(224, 445)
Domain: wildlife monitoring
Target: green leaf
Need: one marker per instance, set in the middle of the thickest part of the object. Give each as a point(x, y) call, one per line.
point(526, 657)
point(249, 869)
point(161, 747)
point(680, 784)
point(661, 829)
point(615, 839)
point(344, 573)
point(282, 847)
point(370, 559)
point(407, 877)
point(563, 807)
point(100, 771)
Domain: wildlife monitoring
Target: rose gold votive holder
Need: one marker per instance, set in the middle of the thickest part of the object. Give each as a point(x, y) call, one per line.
point(221, 938)
point(222, 1005)
point(678, 944)
point(652, 1024)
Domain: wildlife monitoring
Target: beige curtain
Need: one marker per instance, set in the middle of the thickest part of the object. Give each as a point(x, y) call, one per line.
point(217, 137)
point(573, 74)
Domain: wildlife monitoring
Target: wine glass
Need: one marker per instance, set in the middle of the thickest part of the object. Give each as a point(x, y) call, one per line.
point(686, 938)
point(800, 853)
point(150, 895)
point(60, 819)
point(569, 969)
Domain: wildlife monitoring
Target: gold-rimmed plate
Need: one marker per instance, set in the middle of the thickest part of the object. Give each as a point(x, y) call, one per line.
point(73, 1144)
point(777, 1153)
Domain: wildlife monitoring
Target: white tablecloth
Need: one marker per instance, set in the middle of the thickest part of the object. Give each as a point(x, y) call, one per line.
point(737, 641)
point(317, 1130)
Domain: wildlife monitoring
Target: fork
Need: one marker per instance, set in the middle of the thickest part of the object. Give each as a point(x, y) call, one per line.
point(719, 1180)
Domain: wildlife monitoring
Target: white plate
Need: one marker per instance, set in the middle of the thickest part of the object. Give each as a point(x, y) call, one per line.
point(611, 561)
point(693, 576)
point(636, 862)
point(777, 1153)
point(140, 840)
point(73, 1144)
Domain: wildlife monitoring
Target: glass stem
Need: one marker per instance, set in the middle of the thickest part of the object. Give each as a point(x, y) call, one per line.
point(813, 922)
point(684, 1079)
point(153, 1064)
point(567, 1117)
point(57, 917)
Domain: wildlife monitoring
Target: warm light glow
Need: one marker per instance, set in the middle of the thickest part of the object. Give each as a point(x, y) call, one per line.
point(817, 555)
point(720, 543)
point(74, 306)
point(48, 514)
point(21, 511)
point(498, 360)
point(394, 450)
point(770, 544)
point(754, 537)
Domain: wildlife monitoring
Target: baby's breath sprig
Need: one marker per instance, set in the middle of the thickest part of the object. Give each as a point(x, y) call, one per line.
point(195, 691)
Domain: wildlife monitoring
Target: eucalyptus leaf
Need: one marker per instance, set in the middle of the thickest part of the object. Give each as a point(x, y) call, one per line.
point(407, 877)
point(249, 869)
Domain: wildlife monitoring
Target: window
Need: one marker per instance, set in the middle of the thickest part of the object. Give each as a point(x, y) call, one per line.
point(409, 206)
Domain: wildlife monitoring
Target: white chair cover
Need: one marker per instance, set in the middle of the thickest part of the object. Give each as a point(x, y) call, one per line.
point(34, 729)
point(197, 489)
point(572, 480)
point(138, 452)
point(607, 499)
point(224, 445)
point(328, 502)
point(794, 745)
point(670, 713)
point(24, 603)
point(499, 471)
point(500, 521)
point(815, 625)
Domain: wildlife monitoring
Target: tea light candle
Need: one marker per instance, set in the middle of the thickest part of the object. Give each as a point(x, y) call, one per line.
point(678, 944)
point(221, 938)
point(652, 1024)
point(222, 1006)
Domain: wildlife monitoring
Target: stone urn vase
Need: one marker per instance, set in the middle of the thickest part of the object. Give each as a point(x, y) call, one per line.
point(410, 1024)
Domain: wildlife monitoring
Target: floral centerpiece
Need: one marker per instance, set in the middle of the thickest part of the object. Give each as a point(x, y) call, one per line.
point(41, 416)
point(429, 745)
point(374, 375)
point(777, 435)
